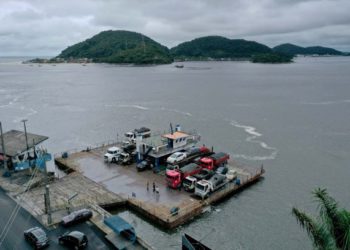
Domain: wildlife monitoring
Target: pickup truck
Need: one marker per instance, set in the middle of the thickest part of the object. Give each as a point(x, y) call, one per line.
point(112, 154)
point(190, 181)
point(205, 187)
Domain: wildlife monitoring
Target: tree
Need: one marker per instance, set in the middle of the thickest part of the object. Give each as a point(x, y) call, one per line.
point(331, 229)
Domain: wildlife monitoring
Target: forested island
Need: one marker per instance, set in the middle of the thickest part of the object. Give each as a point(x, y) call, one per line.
point(127, 47)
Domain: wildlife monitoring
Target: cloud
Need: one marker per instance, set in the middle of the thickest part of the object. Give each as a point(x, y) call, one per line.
point(34, 27)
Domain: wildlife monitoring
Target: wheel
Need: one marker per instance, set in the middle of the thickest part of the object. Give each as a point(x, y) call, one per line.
point(76, 247)
point(113, 160)
point(61, 242)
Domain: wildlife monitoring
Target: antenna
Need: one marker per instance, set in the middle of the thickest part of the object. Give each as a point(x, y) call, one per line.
point(171, 128)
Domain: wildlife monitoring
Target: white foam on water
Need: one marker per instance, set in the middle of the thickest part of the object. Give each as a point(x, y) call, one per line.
point(133, 106)
point(253, 134)
point(11, 102)
point(176, 111)
point(327, 102)
point(30, 111)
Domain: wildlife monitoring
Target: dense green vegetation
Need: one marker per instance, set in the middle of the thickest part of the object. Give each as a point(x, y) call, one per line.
point(135, 48)
point(331, 229)
point(119, 47)
point(292, 49)
point(271, 58)
point(217, 48)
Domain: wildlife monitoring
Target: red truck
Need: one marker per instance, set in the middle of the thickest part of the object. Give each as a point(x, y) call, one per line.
point(175, 177)
point(214, 161)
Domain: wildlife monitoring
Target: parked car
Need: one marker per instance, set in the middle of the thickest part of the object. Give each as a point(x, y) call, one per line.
point(37, 237)
point(73, 240)
point(76, 217)
point(145, 164)
point(130, 148)
point(221, 170)
point(176, 157)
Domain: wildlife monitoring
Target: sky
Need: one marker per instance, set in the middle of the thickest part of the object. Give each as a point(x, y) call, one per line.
point(45, 28)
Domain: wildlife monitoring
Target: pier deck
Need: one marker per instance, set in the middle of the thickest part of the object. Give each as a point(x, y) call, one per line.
point(127, 183)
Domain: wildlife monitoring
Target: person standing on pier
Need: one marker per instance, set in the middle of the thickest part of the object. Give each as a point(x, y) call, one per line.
point(147, 186)
point(154, 187)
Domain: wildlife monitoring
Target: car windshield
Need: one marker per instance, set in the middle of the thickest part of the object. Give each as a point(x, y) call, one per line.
point(110, 151)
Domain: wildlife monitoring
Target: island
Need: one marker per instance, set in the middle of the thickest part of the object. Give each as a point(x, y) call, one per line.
point(128, 47)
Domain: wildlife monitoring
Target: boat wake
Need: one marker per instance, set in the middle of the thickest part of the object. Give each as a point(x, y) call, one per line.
point(176, 111)
point(30, 111)
point(133, 106)
point(11, 102)
point(252, 138)
point(327, 102)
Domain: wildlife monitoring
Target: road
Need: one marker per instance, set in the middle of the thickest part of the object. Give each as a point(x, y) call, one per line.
point(15, 240)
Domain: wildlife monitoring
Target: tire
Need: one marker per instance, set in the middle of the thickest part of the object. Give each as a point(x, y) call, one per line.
point(76, 248)
point(61, 242)
point(113, 160)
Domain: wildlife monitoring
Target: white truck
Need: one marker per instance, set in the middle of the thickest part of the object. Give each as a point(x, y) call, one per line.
point(143, 131)
point(205, 187)
point(112, 154)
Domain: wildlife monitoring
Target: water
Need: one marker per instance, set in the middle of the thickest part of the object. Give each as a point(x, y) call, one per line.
point(293, 118)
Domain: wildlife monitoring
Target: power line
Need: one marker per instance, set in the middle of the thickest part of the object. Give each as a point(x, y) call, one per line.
point(15, 211)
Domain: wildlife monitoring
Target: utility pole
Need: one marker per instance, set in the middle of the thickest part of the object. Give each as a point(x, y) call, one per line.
point(47, 204)
point(25, 131)
point(3, 147)
point(47, 196)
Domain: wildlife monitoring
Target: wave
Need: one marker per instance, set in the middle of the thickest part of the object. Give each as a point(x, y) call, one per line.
point(327, 102)
point(176, 111)
point(31, 112)
point(11, 102)
point(253, 134)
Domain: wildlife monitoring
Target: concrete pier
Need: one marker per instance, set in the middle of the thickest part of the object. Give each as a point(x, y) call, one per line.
point(130, 185)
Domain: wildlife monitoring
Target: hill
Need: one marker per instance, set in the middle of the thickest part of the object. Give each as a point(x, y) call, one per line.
point(292, 49)
point(217, 47)
point(119, 47)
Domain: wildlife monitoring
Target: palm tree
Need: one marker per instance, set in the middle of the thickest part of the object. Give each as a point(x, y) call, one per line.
point(331, 230)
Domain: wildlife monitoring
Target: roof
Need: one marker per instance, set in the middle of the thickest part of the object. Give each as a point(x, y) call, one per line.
point(15, 142)
point(77, 234)
point(119, 225)
point(175, 135)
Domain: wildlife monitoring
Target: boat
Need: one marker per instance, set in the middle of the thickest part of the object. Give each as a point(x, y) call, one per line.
point(179, 66)
point(189, 243)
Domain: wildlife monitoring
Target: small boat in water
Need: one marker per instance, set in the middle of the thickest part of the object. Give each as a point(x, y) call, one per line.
point(179, 66)
point(189, 243)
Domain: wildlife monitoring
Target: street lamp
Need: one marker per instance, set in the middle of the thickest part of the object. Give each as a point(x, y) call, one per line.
point(25, 131)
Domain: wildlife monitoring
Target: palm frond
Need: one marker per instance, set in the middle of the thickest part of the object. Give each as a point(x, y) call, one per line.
point(317, 231)
point(337, 221)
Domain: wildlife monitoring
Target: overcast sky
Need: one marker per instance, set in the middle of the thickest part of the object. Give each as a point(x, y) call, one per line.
point(36, 27)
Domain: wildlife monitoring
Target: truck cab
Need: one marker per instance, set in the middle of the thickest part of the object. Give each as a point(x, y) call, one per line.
point(189, 183)
point(143, 132)
point(112, 154)
point(173, 178)
point(207, 162)
point(202, 189)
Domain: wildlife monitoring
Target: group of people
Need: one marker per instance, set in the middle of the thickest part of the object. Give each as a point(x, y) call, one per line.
point(154, 187)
